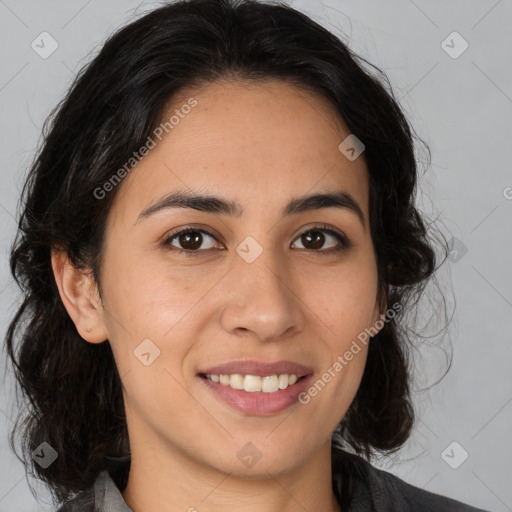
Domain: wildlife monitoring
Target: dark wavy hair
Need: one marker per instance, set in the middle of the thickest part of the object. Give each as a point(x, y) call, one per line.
point(72, 388)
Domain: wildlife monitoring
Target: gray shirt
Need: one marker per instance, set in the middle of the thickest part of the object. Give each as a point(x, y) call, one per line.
point(358, 486)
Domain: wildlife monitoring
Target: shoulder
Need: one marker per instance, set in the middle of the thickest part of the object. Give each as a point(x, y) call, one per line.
point(378, 490)
point(82, 502)
point(92, 499)
point(415, 498)
point(102, 496)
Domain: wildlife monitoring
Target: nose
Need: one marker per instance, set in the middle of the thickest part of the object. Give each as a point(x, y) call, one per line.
point(260, 298)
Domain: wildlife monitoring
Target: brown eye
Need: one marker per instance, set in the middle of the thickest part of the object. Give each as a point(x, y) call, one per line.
point(189, 241)
point(314, 239)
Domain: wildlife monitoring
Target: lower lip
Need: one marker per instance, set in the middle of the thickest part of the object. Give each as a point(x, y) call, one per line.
point(259, 403)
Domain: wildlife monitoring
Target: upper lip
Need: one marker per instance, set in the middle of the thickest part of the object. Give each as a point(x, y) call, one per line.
point(251, 367)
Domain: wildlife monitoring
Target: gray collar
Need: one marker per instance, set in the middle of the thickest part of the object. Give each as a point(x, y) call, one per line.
point(107, 496)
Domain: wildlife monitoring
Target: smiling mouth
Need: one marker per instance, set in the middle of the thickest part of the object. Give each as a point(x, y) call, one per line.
point(254, 383)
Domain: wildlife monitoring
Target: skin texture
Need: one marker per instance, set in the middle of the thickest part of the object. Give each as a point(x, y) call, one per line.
point(260, 144)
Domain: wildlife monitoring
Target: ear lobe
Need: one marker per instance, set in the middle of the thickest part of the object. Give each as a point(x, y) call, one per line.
point(79, 294)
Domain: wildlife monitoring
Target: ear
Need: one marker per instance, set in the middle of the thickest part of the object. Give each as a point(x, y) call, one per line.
point(80, 297)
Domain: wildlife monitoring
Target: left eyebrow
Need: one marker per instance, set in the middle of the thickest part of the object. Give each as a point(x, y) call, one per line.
point(214, 204)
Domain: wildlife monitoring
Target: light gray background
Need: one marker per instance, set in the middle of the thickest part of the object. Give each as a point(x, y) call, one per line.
point(460, 106)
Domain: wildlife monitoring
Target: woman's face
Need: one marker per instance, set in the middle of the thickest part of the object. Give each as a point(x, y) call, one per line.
point(259, 284)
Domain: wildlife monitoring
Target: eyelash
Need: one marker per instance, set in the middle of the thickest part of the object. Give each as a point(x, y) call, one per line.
point(342, 239)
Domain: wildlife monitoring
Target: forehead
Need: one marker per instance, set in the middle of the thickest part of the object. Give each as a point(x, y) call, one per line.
point(258, 143)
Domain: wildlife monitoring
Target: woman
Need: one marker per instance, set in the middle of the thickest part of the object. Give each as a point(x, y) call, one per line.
point(217, 246)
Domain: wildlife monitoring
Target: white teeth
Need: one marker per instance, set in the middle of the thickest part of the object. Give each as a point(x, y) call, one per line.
point(270, 384)
point(236, 381)
point(255, 383)
point(252, 383)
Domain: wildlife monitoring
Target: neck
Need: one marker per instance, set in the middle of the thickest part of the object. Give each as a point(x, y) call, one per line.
point(172, 480)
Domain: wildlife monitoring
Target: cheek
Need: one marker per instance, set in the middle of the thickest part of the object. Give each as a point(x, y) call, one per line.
point(344, 300)
point(347, 306)
point(146, 294)
point(151, 302)
point(328, 398)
